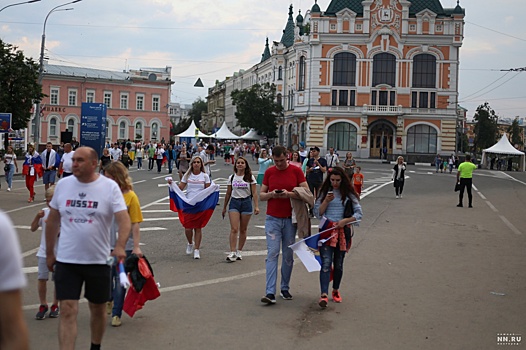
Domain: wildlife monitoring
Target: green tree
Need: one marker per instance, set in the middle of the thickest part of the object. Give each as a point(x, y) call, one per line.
point(486, 128)
point(256, 108)
point(181, 126)
point(515, 133)
point(198, 108)
point(19, 86)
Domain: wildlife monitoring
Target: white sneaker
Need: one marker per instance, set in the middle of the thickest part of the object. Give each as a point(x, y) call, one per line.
point(231, 257)
point(9, 189)
point(196, 254)
point(238, 255)
point(189, 248)
point(400, 196)
point(396, 197)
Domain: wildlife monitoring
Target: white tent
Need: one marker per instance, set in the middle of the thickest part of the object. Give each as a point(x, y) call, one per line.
point(225, 134)
point(504, 147)
point(252, 135)
point(190, 132)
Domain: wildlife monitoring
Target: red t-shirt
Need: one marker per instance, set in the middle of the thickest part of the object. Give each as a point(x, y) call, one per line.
point(286, 179)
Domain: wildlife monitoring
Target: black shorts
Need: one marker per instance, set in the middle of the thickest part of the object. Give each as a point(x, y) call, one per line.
point(69, 279)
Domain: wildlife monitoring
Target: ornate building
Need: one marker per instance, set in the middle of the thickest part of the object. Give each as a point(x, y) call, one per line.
point(364, 75)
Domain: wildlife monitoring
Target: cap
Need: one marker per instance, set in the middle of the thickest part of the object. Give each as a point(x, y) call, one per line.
point(315, 148)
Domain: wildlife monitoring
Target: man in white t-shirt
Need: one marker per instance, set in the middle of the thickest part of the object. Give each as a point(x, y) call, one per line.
point(205, 155)
point(66, 162)
point(332, 158)
point(84, 206)
point(13, 329)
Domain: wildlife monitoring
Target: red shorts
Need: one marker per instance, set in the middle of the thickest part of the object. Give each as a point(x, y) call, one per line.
point(358, 188)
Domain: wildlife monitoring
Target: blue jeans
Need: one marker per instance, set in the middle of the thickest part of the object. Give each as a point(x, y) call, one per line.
point(117, 291)
point(139, 162)
point(279, 232)
point(9, 175)
point(170, 166)
point(329, 256)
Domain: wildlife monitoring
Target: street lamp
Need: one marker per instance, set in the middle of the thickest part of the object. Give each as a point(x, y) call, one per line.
point(19, 3)
point(41, 68)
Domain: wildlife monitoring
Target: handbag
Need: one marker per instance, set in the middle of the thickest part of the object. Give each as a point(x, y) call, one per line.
point(7, 168)
point(457, 186)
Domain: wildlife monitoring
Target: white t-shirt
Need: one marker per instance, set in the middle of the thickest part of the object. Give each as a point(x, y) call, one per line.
point(87, 211)
point(240, 188)
point(11, 275)
point(206, 158)
point(115, 154)
point(67, 162)
point(332, 160)
point(159, 153)
point(42, 223)
point(195, 183)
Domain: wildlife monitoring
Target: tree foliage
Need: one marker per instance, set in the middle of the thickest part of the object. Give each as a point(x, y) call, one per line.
point(486, 128)
point(256, 108)
point(181, 126)
point(515, 133)
point(199, 107)
point(19, 86)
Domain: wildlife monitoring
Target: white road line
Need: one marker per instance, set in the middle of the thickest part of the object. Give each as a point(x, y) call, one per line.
point(256, 237)
point(514, 179)
point(162, 185)
point(32, 269)
point(376, 189)
point(252, 253)
point(138, 182)
point(21, 227)
point(25, 207)
point(160, 177)
point(160, 219)
point(481, 195)
point(157, 211)
point(30, 252)
point(510, 225)
point(155, 202)
point(143, 229)
point(492, 206)
point(476, 189)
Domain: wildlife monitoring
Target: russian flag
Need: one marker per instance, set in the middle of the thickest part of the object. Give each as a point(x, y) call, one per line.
point(36, 162)
point(194, 212)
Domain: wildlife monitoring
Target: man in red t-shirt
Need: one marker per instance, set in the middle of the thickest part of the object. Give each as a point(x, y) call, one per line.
point(278, 183)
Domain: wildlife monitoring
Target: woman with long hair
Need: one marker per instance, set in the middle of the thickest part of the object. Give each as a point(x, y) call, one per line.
point(295, 159)
point(338, 202)
point(32, 168)
point(399, 176)
point(264, 161)
point(10, 165)
point(349, 164)
point(240, 193)
point(119, 173)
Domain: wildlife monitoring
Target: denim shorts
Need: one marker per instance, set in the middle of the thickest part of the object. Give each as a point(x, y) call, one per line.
point(49, 176)
point(241, 205)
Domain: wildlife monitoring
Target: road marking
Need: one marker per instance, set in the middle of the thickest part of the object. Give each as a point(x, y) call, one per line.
point(256, 237)
point(162, 185)
point(514, 179)
point(252, 253)
point(160, 177)
point(30, 252)
point(152, 229)
point(510, 225)
point(154, 202)
point(157, 211)
point(365, 194)
point(481, 195)
point(138, 182)
point(160, 219)
point(476, 189)
point(25, 207)
point(21, 227)
point(32, 269)
point(492, 206)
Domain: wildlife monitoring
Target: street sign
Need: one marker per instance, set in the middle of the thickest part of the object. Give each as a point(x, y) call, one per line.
point(93, 126)
point(5, 122)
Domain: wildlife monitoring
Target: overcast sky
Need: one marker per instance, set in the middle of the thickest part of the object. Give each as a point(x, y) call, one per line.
point(212, 39)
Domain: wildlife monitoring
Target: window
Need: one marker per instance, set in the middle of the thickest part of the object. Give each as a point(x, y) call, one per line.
point(71, 125)
point(422, 139)
point(412, 27)
point(108, 129)
point(438, 28)
point(359, 27)
point(156, 102)
point(289, 135)
point(90, 96)
point(383, 98)
point(140, 102)
point(107, 98)
point(423, 99)
point(278, 99)
point(342, 136)
point(138, 131)
point(72, 97)
point(301, 85)
point(333, 26)
point(53, 96)
point(124, 101)
point(155, 131)
point(302, 133)
point(424, 71)
point(280, 73)
point(344, 73)
point(122, 130)
point(384, 69)
point(53, 127)
point(343, 98)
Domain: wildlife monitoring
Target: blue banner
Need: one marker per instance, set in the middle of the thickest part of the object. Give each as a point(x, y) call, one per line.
point(5, 122)
point(93, 126)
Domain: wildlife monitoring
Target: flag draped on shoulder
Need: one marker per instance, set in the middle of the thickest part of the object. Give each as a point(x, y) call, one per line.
point(194, 212)
point(33, 165)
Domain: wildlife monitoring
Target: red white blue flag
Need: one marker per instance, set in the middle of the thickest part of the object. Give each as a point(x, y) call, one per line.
point(194, 212)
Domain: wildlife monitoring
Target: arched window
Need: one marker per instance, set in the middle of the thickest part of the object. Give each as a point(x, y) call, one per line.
point(289, 136)
point(155, 131)
point(344, 73)
point(278, 99)
point(384, 69)
point(280, 73)
point(302, 132)
point(424, 71)
point(138, 131)
point(71, 125)
point(122, 130)
point(301, 82)
point(342, 136)
point(53, 127)
point(421, 139)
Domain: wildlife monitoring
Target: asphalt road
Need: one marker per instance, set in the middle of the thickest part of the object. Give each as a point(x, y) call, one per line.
point(422, 273)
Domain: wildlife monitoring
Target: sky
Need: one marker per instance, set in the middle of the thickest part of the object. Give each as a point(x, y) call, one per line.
point(213, 39)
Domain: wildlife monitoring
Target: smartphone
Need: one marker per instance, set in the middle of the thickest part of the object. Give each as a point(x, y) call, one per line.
point(279, 191)
point(330, 192)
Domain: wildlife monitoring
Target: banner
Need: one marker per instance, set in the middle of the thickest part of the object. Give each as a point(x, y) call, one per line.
point(93, 126)
point(5, 122)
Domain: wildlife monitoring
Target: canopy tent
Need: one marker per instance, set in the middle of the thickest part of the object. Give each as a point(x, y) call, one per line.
point(225, 134)
point(252, 135)
point(504, 147)
point(190, 132)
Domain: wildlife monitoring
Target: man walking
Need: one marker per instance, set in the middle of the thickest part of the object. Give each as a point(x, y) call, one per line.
point(465, 179)
point(50, 160)
point(116, 153)
point(84, 206)
point(316, 166)
point(278, 183)
point(66, 162)
point(332, 158)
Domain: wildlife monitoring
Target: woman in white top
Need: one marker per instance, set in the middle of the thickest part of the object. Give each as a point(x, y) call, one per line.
point(139, 154)
point(242, 190)
point(9, 166)
point(194, 180)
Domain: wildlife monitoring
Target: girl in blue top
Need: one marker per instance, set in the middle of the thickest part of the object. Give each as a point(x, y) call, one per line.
point(264, 162)
point(335, 195)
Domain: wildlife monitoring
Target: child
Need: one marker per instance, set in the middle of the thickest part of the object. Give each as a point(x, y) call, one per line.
point(43, 272)
point(444, 167)
point(357, 180)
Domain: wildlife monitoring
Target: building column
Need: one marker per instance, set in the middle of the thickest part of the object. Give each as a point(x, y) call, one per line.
point(400, 136)
point(363, 140)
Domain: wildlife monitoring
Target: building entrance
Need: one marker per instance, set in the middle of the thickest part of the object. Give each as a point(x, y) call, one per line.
point(381, 136)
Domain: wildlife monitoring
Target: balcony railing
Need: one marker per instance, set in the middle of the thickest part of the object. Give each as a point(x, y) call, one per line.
point(370, 109)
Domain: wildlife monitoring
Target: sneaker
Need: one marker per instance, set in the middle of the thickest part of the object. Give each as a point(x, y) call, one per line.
point(336, 297)
point(116, 321)
point(189, 248)
point(323, 301)
point(9, 189)
point(41, 314)
point(231, 257)
point(459, 205)
point(400, 196)
point(109, 307)
point(285, 295)
point(397, 197)
point(55, 311)
point(238, 255)
point(470, 206)
point(269, 299)
point(196, 254)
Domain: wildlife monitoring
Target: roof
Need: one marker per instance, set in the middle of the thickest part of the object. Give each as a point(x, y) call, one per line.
point(288, 33)
point(315, 8)
point(416, 6)
point(503, 147)
point(252, 135)
point(337, 5)
point(190, 132)
point(225, 134)
point(84, 72)
point(266, 54)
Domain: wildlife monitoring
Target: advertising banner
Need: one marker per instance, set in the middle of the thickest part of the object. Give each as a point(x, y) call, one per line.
point(5, 122)
point(93, 126)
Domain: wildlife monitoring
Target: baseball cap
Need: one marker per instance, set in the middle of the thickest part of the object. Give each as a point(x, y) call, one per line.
point(315, 148)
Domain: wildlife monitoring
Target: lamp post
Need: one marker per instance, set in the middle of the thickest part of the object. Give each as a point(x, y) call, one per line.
point(41, 68)
point(19, 3)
